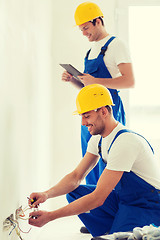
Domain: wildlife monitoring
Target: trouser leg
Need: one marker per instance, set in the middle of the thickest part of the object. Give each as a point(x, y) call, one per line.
point(99, 220)
point(129, 217)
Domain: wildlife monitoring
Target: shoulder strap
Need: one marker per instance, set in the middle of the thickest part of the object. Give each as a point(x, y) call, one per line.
point(127, 130)
point(104, 48)
point(99, 147)
point(87, 54)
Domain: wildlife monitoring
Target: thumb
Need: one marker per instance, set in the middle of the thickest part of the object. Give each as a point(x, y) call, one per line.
point(35, 214)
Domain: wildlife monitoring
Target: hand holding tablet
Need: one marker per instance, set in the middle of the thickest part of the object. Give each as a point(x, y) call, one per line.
point(72, 70)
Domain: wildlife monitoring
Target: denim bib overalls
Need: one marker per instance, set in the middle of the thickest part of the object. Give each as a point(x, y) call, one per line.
point(97, 68)
point(133, 203)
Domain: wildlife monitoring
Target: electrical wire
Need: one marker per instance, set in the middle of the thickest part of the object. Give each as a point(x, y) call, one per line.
point(20, 214)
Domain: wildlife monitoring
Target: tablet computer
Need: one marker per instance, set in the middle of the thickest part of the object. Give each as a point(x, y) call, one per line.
point(72, 70)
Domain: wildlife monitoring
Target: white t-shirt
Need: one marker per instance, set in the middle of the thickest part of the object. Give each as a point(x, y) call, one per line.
point(129, 152)
point(115, 54)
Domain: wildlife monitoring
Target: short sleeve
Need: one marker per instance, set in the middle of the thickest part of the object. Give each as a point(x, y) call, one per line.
point(93, 145)
point(121, 53)
point(123, 153)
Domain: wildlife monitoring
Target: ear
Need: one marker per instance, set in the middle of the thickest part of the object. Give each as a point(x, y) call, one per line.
point(104, 111)
point(98, 21)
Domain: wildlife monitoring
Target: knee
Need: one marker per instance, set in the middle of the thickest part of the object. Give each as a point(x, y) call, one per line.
point(72, 196)
point(69, 197)
point(80, 192)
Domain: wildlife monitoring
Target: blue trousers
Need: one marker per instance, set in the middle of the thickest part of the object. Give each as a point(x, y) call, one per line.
point(135, 205)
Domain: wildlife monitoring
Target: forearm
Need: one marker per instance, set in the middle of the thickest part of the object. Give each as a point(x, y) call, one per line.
point(105, 185)
point(77, 207)
point(121, 82)
point(72, 180)
point(125, 80)
point(93, 200)
point(66, 185)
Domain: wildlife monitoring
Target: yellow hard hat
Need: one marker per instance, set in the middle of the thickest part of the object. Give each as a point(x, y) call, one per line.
point(92, 97)
point(86, 12)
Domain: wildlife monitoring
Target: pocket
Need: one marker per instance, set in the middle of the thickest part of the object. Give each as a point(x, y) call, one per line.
point(92, 69)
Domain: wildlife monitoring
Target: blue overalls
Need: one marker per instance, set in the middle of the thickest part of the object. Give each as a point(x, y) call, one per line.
point(97, 68)
point(133, 203)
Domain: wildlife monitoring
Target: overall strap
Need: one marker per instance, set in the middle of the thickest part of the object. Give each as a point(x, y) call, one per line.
point(127, 130)
point(99, 147)
point(104, 48)
point(88, 54)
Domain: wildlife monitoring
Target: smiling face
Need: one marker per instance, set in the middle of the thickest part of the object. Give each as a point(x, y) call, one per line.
point(93, 33)
point(94, 121)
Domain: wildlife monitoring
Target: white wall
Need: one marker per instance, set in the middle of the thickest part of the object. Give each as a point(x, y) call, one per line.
point(39, 137)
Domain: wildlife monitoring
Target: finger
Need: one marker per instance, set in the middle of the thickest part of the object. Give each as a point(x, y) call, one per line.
point(33, 196)
point(85, 74)
point(35, 218)
point(65, 79)
point(35, 214)
point(34, 201)
point(33, 221)
point(66, 74)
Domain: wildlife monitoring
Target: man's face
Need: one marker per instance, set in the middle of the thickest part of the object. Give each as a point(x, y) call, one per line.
point(94, 121)
point(90, 31)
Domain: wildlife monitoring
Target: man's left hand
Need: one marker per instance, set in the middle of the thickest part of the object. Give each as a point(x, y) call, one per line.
point(39, 218)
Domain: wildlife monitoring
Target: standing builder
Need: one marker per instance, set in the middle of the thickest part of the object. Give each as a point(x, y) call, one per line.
point(107, 63)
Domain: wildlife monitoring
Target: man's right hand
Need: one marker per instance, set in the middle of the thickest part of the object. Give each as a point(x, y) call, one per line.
point(66, 77)
point(38, 197)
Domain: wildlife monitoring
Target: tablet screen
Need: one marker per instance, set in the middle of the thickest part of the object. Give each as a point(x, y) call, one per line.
point(72, 70)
